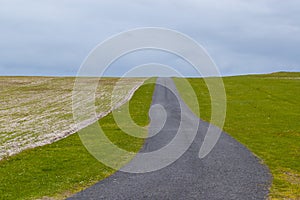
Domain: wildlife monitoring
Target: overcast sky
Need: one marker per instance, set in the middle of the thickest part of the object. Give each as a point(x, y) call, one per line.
point(51, 37)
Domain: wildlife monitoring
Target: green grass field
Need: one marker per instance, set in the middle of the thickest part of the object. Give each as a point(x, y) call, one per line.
point(263, 113)
point(65, 167)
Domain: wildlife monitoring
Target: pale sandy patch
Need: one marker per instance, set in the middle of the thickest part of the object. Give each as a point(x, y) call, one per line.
point(36, 111)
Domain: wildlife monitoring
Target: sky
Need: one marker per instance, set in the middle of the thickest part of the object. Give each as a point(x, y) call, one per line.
point(53, 37)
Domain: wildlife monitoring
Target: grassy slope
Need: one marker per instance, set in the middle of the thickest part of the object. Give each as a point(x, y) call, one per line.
point(65, 167)
point(33, 108)
point(263, 113)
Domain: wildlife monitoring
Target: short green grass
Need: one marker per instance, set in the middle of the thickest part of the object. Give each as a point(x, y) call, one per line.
point(65, 167)
point(263, 113)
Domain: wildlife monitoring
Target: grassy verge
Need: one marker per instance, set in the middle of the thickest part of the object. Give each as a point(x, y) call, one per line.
point(65, 167)
point(263, 113)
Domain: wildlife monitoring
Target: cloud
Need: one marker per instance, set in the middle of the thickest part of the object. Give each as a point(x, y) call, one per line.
point(53, 37)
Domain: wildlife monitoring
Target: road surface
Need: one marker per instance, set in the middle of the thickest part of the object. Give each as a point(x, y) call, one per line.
point(229, 171)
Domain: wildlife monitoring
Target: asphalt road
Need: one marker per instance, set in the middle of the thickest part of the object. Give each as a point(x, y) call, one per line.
point(229, 171)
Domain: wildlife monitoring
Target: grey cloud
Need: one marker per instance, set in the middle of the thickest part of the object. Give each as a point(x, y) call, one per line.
point(53, 37)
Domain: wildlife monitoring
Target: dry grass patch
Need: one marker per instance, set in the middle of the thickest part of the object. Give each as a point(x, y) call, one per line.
point(38, 110)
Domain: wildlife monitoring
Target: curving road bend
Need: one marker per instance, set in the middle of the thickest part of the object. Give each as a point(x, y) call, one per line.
point(229, 171)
